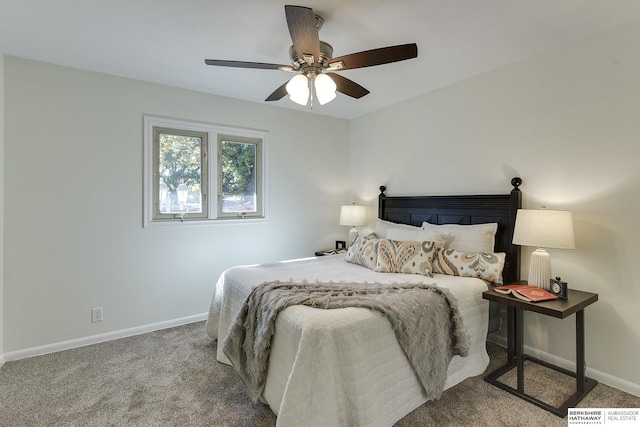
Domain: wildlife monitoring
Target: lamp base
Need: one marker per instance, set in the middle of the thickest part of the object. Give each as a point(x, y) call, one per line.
point(540, 268)
point(353, 234)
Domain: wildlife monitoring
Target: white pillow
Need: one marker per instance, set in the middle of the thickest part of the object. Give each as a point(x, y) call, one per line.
point(467, 238)
point(419, 235)
point(383, 227)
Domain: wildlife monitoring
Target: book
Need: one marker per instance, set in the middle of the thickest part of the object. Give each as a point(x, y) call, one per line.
point(526, 292)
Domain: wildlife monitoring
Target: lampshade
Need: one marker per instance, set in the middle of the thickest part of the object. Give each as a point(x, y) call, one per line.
point(545, 229)
point(298, 89)
point(353, 215)
point(325, 88)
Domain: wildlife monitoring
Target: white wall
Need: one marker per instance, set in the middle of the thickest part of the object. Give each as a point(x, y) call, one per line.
point(73, 203)
point(1, 207)
point(567, 122)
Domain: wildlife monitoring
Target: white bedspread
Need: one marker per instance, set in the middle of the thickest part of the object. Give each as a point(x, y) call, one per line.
point(344, 366)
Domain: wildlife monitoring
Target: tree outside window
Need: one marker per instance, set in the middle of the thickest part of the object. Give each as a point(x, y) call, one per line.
point(238, 161)
point(180, 170)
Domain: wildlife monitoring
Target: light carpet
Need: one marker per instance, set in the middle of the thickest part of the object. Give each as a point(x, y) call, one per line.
point(171, 378)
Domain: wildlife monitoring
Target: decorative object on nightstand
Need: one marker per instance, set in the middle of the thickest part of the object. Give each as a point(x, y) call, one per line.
point(558, 287)
point(353, 215)
point(543, 228)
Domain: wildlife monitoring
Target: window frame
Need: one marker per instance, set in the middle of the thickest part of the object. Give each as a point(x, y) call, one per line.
point(212, 173)
point(259, 175)
point(204, 173)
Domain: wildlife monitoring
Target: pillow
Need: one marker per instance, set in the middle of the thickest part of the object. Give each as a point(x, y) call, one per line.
point(467, 238)
point(483, 265)
point(411, 257)
point(383, 227)
point(419, 235)
point(363, 251)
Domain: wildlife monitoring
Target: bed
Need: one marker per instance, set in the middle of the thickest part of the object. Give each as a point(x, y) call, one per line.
point(345, 366)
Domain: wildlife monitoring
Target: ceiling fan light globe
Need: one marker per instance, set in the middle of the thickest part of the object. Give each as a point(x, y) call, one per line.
point(323, 99)
point(298, 89)
point(325, 88)
point(301, 99)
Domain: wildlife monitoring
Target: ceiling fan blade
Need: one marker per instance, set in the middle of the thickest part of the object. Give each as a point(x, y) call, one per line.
point(348, 87)
point(368, 58)
point(244, 64)
point(278, 93)
point(303, 31)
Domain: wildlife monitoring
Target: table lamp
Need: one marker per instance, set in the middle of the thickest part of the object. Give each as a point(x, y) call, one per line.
point(353, 215)
point(543, 228)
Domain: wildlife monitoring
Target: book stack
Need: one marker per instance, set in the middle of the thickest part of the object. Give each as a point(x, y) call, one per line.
point(526, 292)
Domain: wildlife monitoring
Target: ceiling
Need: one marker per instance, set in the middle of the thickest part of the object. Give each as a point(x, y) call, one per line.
point(166, 41)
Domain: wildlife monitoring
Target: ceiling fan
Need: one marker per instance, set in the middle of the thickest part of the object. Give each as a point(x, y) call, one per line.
point(312, 61)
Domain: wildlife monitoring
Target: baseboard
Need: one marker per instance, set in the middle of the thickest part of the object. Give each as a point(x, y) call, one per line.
point(95, 339)
point(2, 360)
point(603, 377)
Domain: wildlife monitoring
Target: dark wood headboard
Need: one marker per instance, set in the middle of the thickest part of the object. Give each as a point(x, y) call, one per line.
point(500, 208)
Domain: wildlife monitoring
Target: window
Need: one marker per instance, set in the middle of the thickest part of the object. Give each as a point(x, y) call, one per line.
point(180, 173)
point(239, 175)
point(179, 176)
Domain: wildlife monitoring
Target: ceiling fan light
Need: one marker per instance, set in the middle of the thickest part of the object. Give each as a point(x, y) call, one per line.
point(298, 89)
point(325, 88)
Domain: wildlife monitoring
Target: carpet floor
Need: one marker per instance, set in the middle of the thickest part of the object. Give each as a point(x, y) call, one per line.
point(171, 378)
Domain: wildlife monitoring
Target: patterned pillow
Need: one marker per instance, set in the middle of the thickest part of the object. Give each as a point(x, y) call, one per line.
point(413, 257)
point(363, 251)
point(483, 265)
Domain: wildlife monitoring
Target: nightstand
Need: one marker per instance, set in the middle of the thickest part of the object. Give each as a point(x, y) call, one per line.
point(576, 302)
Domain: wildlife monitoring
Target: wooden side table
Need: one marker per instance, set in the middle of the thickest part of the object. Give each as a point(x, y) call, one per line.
point(576, 302)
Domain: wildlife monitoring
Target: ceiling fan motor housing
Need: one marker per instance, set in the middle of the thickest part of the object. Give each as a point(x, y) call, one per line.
point(326, 53)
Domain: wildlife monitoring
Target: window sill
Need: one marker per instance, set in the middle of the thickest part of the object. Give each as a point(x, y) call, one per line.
point(207, 222)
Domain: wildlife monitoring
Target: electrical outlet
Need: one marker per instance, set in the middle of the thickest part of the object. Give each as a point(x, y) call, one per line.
point(96, 314)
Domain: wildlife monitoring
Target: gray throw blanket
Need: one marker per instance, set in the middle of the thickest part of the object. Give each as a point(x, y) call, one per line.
point(425, 318)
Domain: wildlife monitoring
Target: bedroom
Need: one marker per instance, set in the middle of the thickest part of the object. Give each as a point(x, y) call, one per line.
point(565, 120)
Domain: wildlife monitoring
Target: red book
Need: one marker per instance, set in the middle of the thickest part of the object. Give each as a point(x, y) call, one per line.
point(526, 292)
